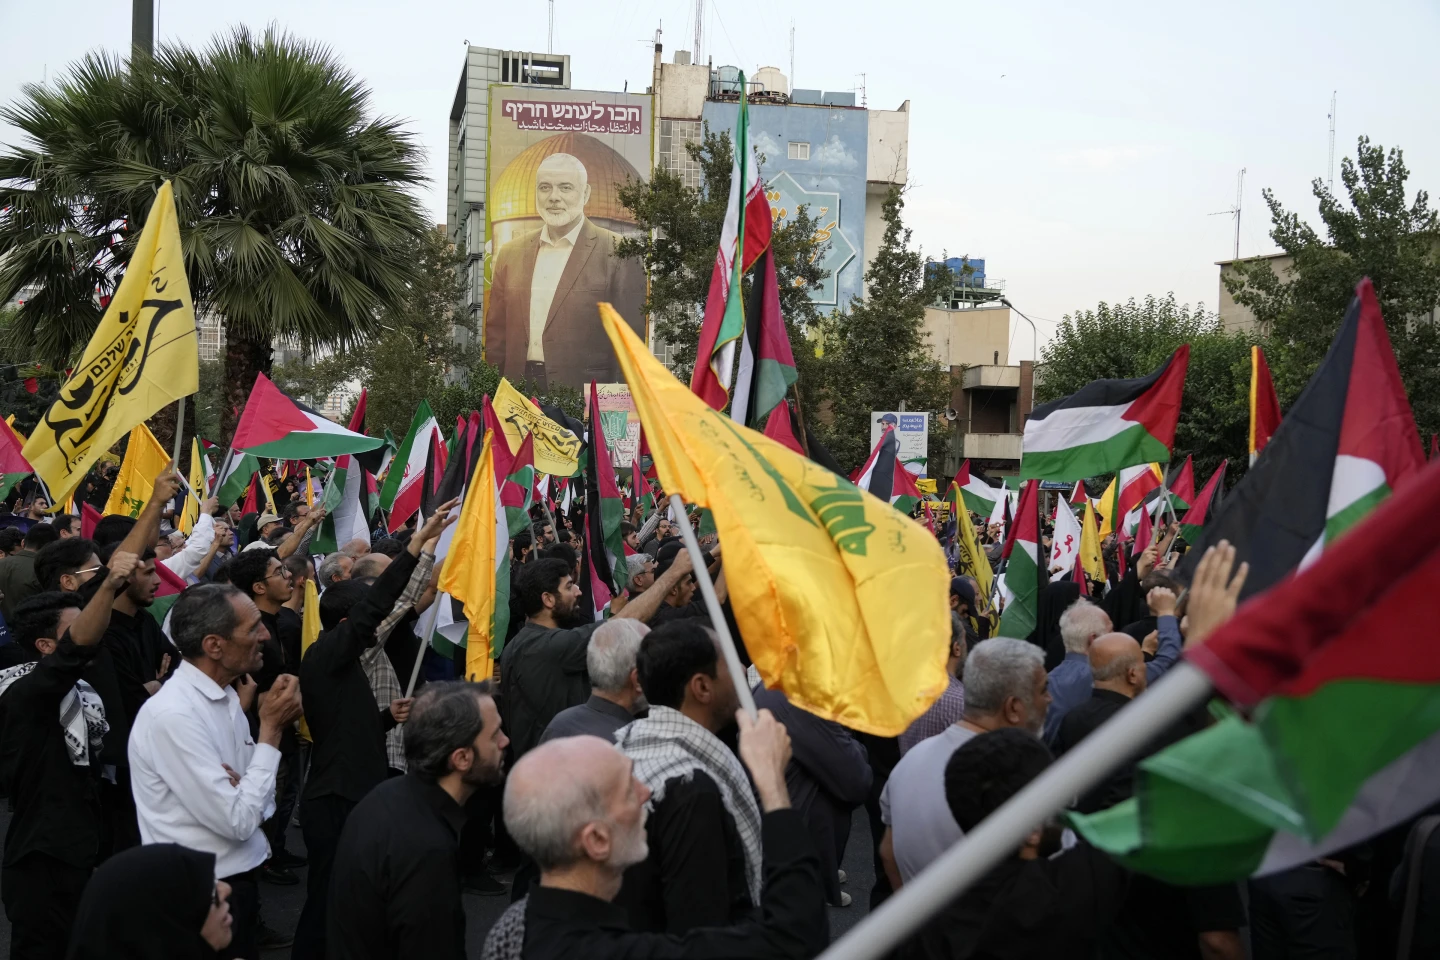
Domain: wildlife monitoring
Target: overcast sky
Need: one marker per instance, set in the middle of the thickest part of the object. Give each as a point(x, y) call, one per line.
point(1078, 148)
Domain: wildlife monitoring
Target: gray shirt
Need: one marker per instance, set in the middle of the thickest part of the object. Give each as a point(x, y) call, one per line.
point(913, 802)
point(596, 717)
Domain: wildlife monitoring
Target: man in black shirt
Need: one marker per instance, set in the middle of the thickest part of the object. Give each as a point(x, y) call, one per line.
point(542, 668)
point(261, 576)
point(348, 757)
point(574, 805)
point(50, 729)
point(681, 600)
point(397, 879)
point(1118, 669)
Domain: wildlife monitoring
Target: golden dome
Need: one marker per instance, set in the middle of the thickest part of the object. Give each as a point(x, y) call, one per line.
point(512, 196)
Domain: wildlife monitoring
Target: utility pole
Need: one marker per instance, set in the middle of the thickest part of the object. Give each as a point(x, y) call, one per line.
point(1235, 210)
point(699, 25)
point(792, 54)
point(142, 26)
point(1330, 164)
point(550, 36)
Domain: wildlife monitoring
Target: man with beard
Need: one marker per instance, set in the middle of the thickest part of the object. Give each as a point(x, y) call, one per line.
point(396, 887)
point(577, 807)
point(543, 665)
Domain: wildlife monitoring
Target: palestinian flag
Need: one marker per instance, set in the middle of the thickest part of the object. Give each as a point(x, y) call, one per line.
point(444, 627)
point(1264, 405)
point(747, 215)
point(780, 428)
point(166, 593)
point(236, 472)
point(373, 460)
point(1344, 740)
point(885, 477)
point(767, 367)
point(344, 504)
point(400, 493)
point(477, 567)
point(273, 425)
point(517, 492)
point(1133, 488)
point(1347, 443)
point(1022, 569)
point(1205, 504)
point(1106, 425)
point(1182, 486)
point(978, 494)
point(13, 465)
point(602, 565)
point(644, 496)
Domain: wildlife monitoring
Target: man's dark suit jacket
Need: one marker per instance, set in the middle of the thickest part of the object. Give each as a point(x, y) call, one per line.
point(576, 348)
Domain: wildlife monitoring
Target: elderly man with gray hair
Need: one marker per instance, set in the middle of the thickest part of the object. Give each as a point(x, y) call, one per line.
point(615, 695)
point(1080, 624)
point(1005, 686)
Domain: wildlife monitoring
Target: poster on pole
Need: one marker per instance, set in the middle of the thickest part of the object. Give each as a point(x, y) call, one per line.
point(913, 432)
point(620, 420)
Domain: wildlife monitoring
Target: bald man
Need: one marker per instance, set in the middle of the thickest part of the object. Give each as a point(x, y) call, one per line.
point(1117, 669)
point(541, 319)
point(575, 806)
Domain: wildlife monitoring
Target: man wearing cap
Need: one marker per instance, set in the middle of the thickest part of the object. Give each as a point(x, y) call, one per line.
point(681, 600)
point(266, 523)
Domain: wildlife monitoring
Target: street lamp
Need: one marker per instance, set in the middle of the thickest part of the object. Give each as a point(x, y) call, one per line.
point(1034, 333)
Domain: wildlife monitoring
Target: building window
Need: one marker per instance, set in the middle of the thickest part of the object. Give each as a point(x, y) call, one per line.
point(674, 158)
point(799, 151)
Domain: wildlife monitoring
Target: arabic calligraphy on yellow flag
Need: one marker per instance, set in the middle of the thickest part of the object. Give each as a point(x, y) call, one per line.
point(144, 354)
point(144, 460)
point(309, 632)
point(556, 449)
point(844, 601)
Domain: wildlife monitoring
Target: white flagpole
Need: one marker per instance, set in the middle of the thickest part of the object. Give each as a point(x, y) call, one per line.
point(427, 622)
point(712, 604)
point(1001, 834)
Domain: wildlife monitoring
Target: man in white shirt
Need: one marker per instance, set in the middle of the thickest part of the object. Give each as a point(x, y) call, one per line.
point(198, 778)
point(1005, 686)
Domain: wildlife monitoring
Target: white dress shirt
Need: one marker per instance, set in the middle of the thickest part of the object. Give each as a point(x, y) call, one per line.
point(187, 561)
point(550, 262)
point(179, 743)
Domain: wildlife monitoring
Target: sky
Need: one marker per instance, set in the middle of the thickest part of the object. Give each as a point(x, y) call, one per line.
point(1080, 149)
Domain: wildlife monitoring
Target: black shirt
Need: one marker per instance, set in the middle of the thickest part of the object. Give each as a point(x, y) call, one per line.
point(563, 924)
point(666, 613)
point(1078, 724)
point(281, 648)
point(542, 671)
point(1044, 909)
point(347, 729)
point(396, 888)
point(56, 804)
point(596, 717)
point(134, 648)
point(695, 873)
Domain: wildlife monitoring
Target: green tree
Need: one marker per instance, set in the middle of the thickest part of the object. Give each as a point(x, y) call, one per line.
point(1131, 340)
point(411, 353)
point(876, 353)
point(681, 231)
point(296, 208)
point(1379, 234)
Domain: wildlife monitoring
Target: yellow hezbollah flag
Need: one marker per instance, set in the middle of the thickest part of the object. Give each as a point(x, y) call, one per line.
point(973, 562)
point(191, 513)
point(477, 566)
point(556, 449)
point(1090, 559)
point(844, 601)
point(144, 354)
point(309, 632)
point(144, 460)
point(10, 422)
point(1107, 500)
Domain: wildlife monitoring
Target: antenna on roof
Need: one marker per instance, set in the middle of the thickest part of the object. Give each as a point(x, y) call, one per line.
point(1235, 210)
point(1330, 165)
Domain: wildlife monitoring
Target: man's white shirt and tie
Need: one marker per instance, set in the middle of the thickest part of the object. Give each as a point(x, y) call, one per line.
point(550, 261)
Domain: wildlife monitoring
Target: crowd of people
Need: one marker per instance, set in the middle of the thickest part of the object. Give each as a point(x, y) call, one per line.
point(606, 780)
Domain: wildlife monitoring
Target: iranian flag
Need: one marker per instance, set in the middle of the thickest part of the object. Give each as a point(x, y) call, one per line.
point(1106, 425)
point(747, 215)
point(273, 425)
point(1343, 740)
point(1204, 505)
point(1347, 443)
point(344, 504)
point(404, 481)
point(13, 465)
point(602, 565)
point(884, 476)
point(1022, 567)
point(979, 495)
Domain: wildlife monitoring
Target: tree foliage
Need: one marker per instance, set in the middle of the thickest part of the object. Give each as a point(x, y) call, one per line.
point(1133, 339)
point(295, 205)
point(876, 353)
point(682, 229)
point(1379, 234)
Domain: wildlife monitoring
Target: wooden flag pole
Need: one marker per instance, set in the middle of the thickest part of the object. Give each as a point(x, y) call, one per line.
point(712, 604)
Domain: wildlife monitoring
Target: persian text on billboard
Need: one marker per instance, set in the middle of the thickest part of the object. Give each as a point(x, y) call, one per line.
point(584, 117)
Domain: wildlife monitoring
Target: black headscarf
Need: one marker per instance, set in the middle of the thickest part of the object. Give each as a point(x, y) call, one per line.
point(148, 903)
point(1055, 597)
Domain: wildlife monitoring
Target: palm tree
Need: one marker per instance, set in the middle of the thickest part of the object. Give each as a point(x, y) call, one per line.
point(295, 206)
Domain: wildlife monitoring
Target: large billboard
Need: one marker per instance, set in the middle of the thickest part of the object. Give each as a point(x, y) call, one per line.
point(555, 162)
point(813, 155)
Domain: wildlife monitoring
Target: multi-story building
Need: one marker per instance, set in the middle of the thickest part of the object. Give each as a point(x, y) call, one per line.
point(1234, 316)
point(466, 171)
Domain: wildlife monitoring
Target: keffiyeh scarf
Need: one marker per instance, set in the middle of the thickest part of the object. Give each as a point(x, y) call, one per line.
point(82, 716)
point(668, 744)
